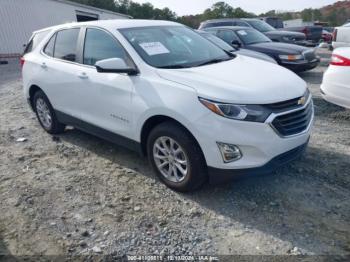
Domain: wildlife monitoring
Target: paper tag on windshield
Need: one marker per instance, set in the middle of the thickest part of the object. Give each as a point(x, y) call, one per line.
point(154, 48)
point(242, 32)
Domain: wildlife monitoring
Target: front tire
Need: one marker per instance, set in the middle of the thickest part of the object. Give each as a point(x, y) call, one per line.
point(176, 157)
point(46, 114)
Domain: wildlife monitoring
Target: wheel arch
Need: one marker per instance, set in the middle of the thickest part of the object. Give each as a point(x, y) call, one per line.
point(32, 90)
point(155, 120)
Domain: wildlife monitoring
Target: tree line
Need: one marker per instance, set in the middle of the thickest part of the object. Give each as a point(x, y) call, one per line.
point(218, 10)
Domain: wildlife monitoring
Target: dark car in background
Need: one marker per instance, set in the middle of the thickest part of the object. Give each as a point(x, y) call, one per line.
point(294, 57)
point(263, 27)
point(312, 33)
point(235, 50)
point(275, 22)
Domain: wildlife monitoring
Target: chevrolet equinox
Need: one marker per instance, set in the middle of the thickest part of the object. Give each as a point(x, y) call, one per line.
point(197, 112)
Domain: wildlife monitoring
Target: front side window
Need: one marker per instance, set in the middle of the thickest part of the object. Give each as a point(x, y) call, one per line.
point(100, 45)
point(251, 36)
point(173, 46)
point(228, 36)
point(66, 44)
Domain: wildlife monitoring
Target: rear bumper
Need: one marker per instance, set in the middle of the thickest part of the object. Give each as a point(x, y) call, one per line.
point(301, 66)
point(335, 95)
point(218, 176)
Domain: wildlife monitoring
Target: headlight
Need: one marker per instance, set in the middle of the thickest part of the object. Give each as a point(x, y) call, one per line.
point(253, 113)
point(291, 57)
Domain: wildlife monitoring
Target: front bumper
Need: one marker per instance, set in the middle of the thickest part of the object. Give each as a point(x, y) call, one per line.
point(258, 142)
point(301, 66)
point(218, 176)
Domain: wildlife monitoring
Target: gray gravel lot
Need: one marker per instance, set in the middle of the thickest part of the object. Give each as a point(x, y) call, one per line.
point(78, 195)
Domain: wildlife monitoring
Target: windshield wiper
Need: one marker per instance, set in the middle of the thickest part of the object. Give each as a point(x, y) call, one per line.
point(215, 61)
point(172, 67)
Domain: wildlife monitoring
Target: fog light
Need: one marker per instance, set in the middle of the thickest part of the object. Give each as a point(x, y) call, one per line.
point(229, 152)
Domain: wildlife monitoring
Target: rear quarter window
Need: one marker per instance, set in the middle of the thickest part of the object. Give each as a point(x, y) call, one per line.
point(34, 41)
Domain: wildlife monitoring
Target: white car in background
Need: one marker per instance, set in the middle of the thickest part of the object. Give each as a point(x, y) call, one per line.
point(336, 80)
point(341, 36)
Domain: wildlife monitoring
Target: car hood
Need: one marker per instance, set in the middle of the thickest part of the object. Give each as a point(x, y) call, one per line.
point(243, 80)
point(254, 54)
point(286, 33)
point(280, 48)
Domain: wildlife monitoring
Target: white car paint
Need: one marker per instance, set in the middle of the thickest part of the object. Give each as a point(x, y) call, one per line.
point(335, 87)
point(343, 37)
point(121, 103)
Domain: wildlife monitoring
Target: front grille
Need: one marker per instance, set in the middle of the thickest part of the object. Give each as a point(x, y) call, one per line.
point(287, 105)
point(309, 55)
point(283, 106)
point(295, 122)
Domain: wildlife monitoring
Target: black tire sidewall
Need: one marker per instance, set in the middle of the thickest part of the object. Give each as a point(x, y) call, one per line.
point(56, 126)
point(197, 174)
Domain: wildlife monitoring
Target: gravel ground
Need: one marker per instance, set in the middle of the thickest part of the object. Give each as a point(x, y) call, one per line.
point(75, 194)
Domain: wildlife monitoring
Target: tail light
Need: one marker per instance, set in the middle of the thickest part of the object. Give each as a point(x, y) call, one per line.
point(306, 31)
point(338, 60)
point(21, 61)
point(335, 33)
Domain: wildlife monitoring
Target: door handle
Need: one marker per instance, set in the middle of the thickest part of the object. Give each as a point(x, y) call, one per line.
point(83, 75)
point(43, 65)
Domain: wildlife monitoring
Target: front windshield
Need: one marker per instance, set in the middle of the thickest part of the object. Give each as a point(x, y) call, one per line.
point(251, 36)
point(217, 41)
point(260, 25)
point(173, 46)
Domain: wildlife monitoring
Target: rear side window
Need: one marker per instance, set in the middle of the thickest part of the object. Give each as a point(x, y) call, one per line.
point(100, 45)
point(34, 41)
point(66, 44)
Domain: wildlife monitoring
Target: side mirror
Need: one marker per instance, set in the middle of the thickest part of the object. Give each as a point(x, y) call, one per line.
point(236, 44)
point(115, 65)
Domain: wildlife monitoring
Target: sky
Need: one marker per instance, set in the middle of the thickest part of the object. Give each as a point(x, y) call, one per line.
point(186, 7)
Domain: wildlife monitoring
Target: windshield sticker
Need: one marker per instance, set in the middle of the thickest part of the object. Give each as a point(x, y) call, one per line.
point(154, 48)
point(242, 32)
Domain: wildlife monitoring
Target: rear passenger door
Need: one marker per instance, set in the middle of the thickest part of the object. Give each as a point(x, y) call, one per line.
point(60, 67)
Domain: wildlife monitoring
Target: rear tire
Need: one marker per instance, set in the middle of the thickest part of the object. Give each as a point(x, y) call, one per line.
point(46, 114)
point(176, 157)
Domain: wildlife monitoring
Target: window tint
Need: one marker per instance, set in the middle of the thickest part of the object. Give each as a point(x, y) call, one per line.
point(50, 46)
point(227, 35)
point(100, 45)
point(66, 44)
point(34, 41)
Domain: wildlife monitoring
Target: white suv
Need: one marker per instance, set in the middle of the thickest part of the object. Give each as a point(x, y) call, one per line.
point(160, 88)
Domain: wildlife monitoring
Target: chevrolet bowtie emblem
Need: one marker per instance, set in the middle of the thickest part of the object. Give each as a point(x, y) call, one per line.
point(302, 101)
